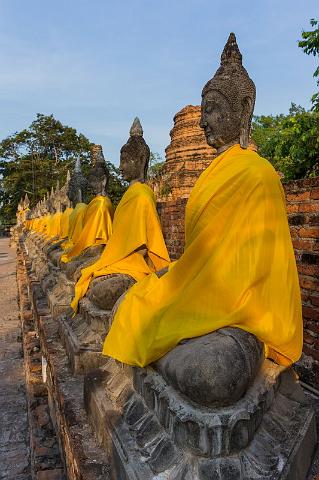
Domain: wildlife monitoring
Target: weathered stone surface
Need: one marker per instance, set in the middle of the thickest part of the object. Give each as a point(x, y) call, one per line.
point(73, 268)
point(83, 336)
point(59, 298)
point(56, 474)
point(105, 291)
point(154, 430)
point(209, 369)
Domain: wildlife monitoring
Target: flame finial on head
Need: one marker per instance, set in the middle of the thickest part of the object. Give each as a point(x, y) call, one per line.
point(26, 200)
point(231, 78)
point(136, 128)
point(231, 52)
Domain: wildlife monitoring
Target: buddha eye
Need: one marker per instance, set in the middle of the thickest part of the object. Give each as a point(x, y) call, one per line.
point(210, 107)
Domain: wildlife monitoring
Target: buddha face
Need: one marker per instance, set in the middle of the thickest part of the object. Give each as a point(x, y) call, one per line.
point(220, 122)
point(129, 166)
point(100, 186)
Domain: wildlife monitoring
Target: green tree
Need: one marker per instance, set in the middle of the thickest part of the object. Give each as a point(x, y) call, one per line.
point(310, 45)
point(155, 166)
point(33, 160)
point(290, 142)
point(117, 185)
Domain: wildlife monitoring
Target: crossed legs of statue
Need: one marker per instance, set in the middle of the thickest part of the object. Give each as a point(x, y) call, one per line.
point(207, 369)
point(73, 268)
point(105, 291)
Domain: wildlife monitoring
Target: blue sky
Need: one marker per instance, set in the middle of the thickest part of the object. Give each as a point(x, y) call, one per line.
point(96, 64)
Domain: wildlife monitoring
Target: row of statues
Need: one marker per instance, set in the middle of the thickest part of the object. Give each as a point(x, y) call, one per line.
point(204, 334)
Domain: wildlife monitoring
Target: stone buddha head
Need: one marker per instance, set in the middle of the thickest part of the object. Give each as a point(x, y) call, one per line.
point(98, 177)
point(228, 101)
point(77, 184)
point(26, 202)
point(26, 205)
point(50, 202)
point(135, 155)
point(56, 198)
point(63, 194)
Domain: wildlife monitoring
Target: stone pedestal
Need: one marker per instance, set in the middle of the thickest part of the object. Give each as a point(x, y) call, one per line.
point(60, 297)
point(155, 432)
point(83, 336)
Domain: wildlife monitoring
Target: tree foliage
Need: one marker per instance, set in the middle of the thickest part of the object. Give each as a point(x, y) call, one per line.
point(310, 45)
point(155, 166)
point(33, 160)
point(117, 185)
point(290, 142)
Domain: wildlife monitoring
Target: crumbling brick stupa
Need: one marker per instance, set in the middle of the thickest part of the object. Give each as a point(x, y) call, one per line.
point(187, 156)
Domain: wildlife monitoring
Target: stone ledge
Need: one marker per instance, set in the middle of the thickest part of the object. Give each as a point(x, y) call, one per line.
point(84, 459)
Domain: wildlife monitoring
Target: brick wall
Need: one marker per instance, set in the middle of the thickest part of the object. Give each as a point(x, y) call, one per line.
point(172, 215)
point(303, 215)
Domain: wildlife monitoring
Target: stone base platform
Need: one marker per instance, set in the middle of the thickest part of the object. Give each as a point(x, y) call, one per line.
point(60, 297)
point(154, 432)
point(84, 458)
point(83, 336)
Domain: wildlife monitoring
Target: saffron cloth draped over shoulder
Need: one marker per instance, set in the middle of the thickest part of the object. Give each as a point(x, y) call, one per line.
point(97, 227)
point(136, 224)
point(53, 226)
point(75, 225)
point(64, 222)
point(238, 269)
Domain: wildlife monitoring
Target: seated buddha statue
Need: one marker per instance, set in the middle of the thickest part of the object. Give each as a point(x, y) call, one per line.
point(43, 215)
point(66, 210)
point(77, 185)
point(97, 221)
point(53, 226)
point(73, 214)
point(233, 296)
point(136, 247)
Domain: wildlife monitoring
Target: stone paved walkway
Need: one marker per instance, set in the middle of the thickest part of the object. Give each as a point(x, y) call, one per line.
point(14, 435)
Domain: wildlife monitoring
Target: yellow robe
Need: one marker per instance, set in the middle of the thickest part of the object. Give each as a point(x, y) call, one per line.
point(42, 224)
point(238, 269)
point(53, 227)
point(35, 224)
point(64, 222)
point(97, 227)
point(75, 225)
point(135, 224)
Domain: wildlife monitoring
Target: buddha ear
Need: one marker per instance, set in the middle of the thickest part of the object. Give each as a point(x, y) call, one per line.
point(245, 122)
